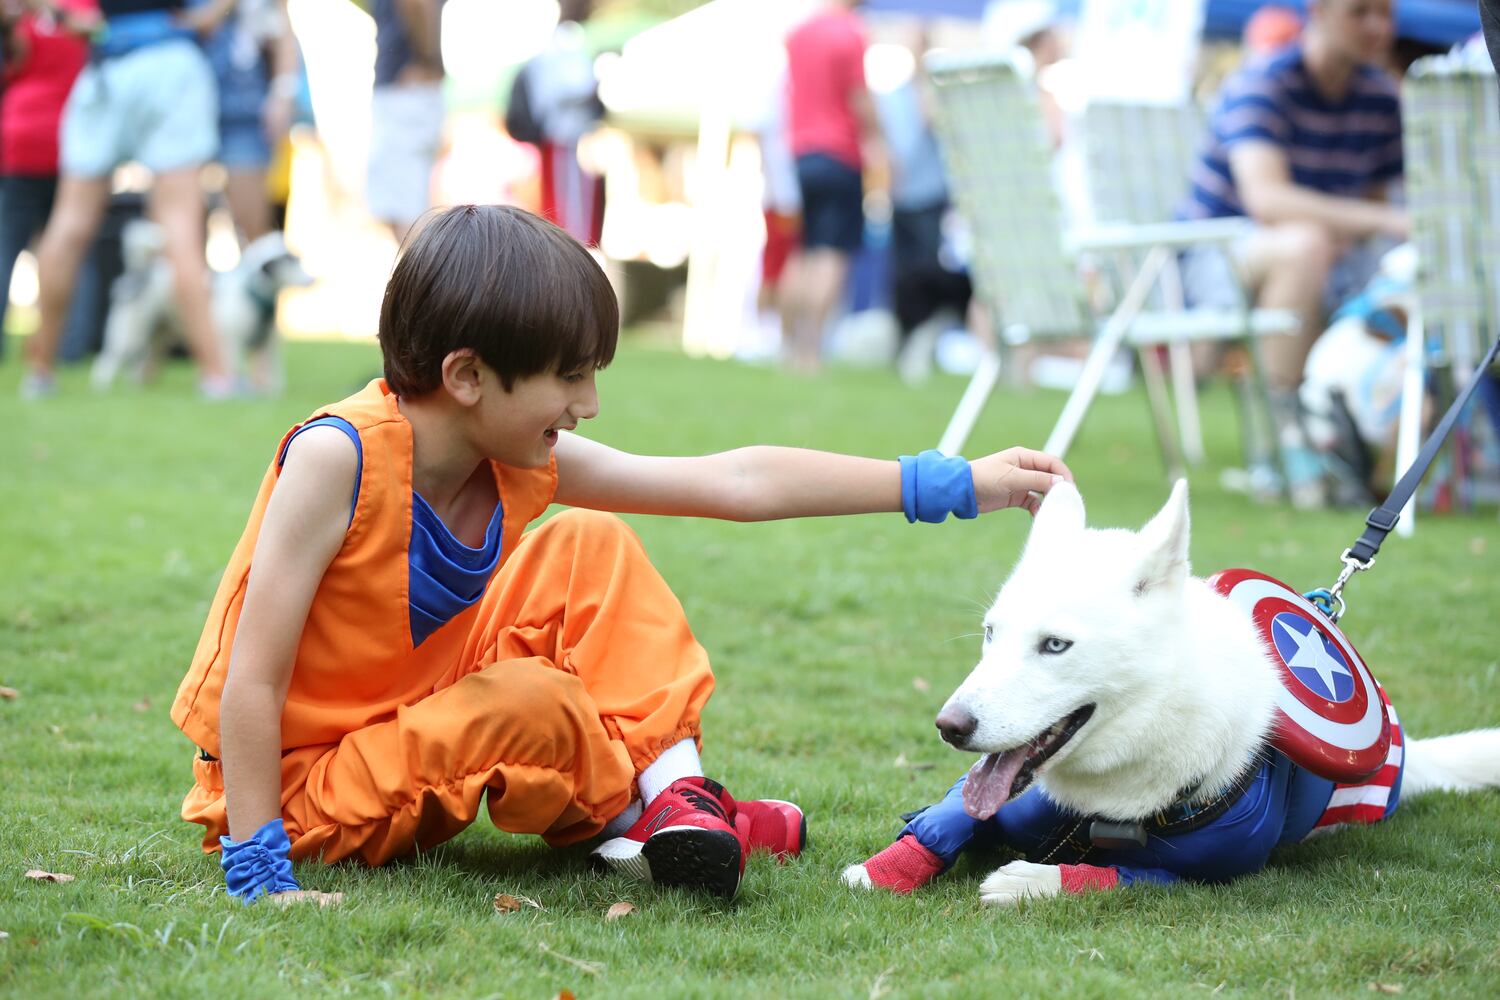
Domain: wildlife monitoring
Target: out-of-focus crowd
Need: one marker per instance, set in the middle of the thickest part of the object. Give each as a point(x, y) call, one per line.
point(1303, 136)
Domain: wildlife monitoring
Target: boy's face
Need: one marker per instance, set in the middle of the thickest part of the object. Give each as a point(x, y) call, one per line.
point(520, 427)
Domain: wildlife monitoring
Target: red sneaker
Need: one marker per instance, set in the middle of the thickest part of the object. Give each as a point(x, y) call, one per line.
point(772, 825)
point(685, 837)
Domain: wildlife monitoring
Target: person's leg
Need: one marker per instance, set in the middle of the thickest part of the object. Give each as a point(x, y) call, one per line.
point(176, 204)
point(1287, 266)
point(579, 675)
point(25, 203)
point(174, 86)
point(581, 591)
point(823, 274)
point(245, 191)
point(70, 230)
point(832, 227)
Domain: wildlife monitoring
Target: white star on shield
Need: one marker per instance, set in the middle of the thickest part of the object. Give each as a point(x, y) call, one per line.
point(1312, 655)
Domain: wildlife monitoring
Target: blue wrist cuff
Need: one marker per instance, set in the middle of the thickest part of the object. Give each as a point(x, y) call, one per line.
point(934, 485)
point(259, 864)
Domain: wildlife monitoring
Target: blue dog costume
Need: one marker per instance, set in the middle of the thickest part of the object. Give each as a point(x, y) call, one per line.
point(1232, 833)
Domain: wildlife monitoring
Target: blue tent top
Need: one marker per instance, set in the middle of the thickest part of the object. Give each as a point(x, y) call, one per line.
point(1436, 22)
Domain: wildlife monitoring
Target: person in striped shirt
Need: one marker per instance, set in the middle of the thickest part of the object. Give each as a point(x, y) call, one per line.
point(1307, 143)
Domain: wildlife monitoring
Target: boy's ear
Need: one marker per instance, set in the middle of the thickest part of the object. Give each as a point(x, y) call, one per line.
point(1164, 544)
point(462, 376)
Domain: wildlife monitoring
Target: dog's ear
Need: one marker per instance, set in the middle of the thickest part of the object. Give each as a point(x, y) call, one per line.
point(1061, 512)
point(1164, 544)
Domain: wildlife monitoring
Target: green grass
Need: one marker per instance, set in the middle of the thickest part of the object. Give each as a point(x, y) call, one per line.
point(834, 643)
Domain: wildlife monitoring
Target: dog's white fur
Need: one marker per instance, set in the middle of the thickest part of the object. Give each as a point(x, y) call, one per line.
point(1184, 694)
point(143, 319)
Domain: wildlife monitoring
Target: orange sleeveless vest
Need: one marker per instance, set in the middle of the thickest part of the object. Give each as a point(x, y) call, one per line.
point(355, 664)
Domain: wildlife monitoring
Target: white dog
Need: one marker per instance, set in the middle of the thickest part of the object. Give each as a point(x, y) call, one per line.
point(1141, 701)
point(143, 321)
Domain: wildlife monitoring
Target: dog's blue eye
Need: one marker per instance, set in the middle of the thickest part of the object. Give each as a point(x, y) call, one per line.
point(989, 634)
point(1052, 644)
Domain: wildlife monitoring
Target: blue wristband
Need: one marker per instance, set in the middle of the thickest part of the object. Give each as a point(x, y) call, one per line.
point(259, 864)
point(934, 485)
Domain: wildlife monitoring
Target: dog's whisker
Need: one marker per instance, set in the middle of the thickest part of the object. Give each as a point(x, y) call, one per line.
point(966, 635)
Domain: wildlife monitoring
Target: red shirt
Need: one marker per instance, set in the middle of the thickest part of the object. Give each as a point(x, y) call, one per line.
point(36, 86)
point(825, 66)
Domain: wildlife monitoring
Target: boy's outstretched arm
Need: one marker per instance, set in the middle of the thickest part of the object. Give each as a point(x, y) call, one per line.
point(765, 483)
point(303, 527)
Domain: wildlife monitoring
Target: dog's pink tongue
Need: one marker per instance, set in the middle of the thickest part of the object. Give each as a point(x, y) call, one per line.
point(989, 782)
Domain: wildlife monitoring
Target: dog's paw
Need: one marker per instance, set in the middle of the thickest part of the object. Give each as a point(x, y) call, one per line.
point(1019, 880)
point(857, 877)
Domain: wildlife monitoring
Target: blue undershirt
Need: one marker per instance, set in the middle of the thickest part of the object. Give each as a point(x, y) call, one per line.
point(445, 576)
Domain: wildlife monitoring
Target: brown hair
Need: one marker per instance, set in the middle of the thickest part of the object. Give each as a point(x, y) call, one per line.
point(522, 294)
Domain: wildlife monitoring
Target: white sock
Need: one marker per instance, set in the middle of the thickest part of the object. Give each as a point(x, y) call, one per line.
point(624, 821)
point(678, 761)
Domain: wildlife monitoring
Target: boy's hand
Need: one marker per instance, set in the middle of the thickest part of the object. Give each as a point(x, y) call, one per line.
point(1016, 477)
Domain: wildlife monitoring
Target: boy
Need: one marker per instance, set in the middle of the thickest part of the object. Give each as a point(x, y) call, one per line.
point(385, 647)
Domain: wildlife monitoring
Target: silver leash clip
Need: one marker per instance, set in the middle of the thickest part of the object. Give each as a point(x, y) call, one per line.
point(1335, 593)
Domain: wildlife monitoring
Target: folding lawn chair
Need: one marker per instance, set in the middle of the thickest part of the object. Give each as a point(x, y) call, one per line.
point(1025, 270)
point(1138, 157)
point(1450, 115)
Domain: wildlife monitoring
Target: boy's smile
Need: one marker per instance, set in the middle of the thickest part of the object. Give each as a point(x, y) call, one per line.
point(521, 427)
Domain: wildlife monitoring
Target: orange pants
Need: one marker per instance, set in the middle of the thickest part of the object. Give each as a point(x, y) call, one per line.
point(579, 672)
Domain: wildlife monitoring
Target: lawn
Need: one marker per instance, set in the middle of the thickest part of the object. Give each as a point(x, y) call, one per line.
point(834, 641)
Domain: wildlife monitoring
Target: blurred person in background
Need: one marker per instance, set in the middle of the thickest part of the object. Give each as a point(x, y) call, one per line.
point(148, 95)
point(406, 110)
point(257, 67)
point(1269, 30)
point(930, 290)
point(42, 54)
point(1307, 143)
point(1030, 32)
point(554, 103)
point(834, 135)
point(781, 209)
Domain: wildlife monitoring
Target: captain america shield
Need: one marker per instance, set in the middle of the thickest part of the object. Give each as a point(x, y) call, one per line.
point(1329, 715)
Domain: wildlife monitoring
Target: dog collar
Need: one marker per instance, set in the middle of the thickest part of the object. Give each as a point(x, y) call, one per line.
point(1189, 811)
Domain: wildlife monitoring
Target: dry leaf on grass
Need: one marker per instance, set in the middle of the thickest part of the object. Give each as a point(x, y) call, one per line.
point(42, 876)
point(901, 761)
point(296, 896)
point(618, 910)
point(1386, 987)
point(144, 705)
point(920, 683)
point(506, 903)
point(9, 694)
point(564, 995)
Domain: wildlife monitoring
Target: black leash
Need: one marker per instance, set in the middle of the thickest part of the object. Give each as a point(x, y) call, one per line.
point(1361, 555)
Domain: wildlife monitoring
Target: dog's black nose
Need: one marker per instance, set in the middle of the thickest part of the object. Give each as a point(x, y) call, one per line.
point(956, 724)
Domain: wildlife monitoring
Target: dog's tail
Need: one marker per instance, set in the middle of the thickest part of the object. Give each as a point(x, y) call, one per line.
point(1463, 762)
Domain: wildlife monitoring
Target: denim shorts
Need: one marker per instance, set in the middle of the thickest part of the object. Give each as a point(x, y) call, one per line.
point(157, 105)
point(243, 144)
point(833, 203)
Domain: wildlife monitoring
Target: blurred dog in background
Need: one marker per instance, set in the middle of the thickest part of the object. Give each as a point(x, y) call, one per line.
point(143, 323)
